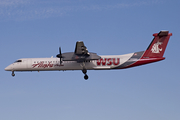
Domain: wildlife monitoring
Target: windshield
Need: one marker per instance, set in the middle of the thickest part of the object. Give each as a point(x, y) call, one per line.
point(18, 61)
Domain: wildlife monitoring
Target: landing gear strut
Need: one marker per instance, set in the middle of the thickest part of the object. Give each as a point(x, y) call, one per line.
point(85, 75)
point(84, 71)
point(13, 73)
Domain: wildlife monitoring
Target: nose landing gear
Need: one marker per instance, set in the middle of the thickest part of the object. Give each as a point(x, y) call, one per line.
point(13, 73)
point(85, 75)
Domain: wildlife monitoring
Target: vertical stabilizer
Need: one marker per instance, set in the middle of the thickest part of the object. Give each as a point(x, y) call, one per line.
point(158, 45)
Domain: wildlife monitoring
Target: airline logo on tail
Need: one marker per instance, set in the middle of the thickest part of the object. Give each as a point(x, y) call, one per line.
point(155, 48)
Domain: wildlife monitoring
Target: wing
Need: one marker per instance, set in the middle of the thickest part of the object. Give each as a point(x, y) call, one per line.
point(81, 49)
point(80, 54)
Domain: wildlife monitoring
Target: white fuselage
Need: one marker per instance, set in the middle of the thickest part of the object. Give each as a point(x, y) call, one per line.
point(48, 64)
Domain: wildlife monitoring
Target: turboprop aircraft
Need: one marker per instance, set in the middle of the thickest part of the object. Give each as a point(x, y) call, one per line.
point(82, 59)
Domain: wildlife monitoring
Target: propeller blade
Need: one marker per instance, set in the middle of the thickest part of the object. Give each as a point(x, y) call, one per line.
point(60, 60)
point(60, 51)
point(60, 55)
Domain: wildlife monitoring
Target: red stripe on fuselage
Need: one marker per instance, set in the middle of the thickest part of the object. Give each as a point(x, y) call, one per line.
point(145, 61)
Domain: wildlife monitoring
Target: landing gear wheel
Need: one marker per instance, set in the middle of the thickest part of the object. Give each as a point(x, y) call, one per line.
point(13, 73)
point(86, 77)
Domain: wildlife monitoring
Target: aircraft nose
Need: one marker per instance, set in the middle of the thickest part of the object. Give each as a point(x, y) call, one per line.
point(8, 68)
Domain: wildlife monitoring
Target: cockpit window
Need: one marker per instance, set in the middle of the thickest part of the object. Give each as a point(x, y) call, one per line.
point(18, 61)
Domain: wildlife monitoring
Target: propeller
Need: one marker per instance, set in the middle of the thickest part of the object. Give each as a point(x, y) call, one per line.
point(60, 55)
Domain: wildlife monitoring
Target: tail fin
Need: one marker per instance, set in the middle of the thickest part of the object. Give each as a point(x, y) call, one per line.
point(158, 45)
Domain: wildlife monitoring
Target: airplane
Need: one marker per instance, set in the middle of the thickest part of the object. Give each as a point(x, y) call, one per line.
point(82, 59)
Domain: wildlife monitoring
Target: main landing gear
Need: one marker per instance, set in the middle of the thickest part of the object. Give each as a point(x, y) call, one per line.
point(84, 70)
point(13, 73)
point(85, 75)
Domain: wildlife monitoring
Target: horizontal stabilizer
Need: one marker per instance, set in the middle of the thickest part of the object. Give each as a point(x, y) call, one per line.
point(163, 33)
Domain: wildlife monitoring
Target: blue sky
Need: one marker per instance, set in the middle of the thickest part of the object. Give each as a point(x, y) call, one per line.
point(31, 28)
